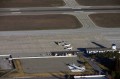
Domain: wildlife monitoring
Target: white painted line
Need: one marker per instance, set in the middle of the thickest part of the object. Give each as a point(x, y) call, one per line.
point(14, 9)
point(41, 57)
point(16, 12)
point(4, 55)
point(89, 76)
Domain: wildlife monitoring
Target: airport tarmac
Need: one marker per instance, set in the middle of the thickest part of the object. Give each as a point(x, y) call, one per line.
point(48, 65)
point(5, 64)
point(20, 43)
point(32, 43)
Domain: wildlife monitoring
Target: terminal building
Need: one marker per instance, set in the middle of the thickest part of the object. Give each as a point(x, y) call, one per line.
point(102, 50)
point(64, 53)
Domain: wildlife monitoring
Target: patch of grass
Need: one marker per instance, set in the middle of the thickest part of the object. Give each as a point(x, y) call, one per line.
point(39, 22)
point(30, 3)
point(87, 66)
point(99, 2)
point(102, 67)
point(106, 20)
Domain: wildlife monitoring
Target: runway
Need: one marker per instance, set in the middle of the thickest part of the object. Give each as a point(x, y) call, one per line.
point(27, 43)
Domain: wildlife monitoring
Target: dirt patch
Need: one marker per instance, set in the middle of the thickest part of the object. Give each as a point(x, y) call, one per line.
point(30, 3)
point(38, 22)
point(99, 2)
point(107, 20)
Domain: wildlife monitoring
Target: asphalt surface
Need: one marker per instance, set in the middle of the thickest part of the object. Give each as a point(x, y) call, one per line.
point(48, 65)
point(61, 9)
point(30, 43)
point(5, 64)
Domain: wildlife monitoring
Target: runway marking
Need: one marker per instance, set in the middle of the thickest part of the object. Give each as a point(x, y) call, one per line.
point(16, 12)
point(5, 55)
point(14, 9)
point(91, 76)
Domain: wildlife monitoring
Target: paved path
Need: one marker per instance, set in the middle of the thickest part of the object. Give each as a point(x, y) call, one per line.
point(71, 3)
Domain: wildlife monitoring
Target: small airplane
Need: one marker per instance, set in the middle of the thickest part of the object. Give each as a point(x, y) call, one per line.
point(74, 67)
point(68, 48)
point(67, 45)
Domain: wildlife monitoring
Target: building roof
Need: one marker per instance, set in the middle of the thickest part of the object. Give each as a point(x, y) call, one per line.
point(100, 49)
